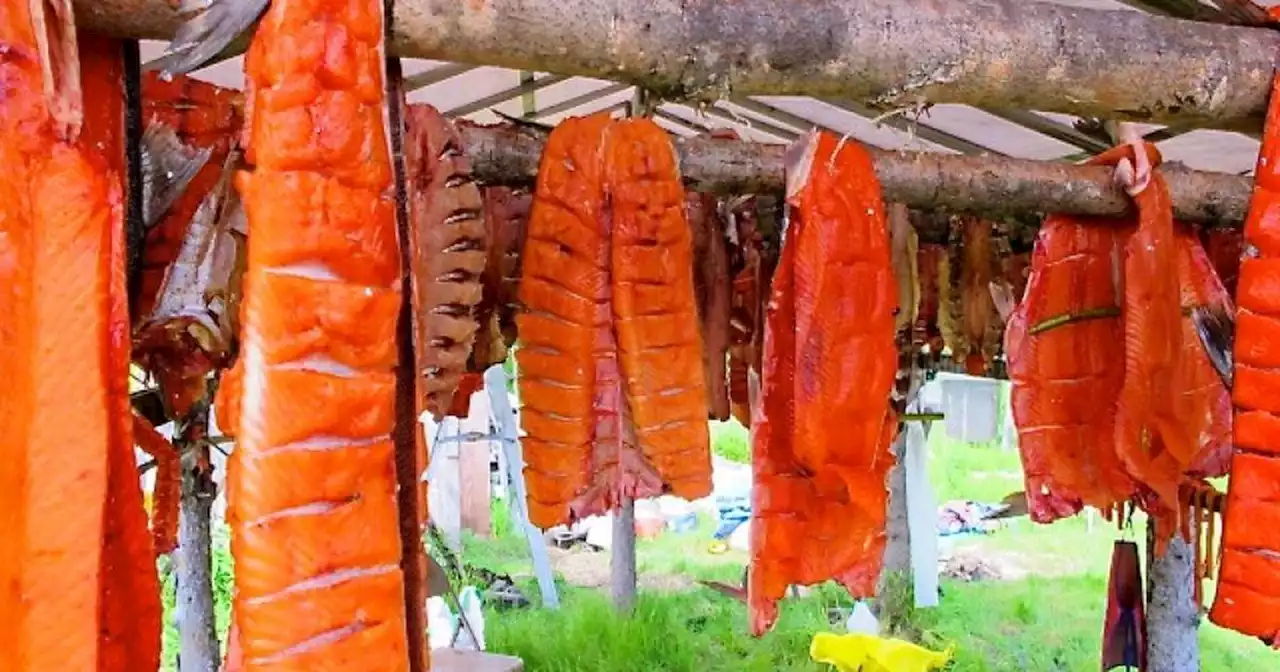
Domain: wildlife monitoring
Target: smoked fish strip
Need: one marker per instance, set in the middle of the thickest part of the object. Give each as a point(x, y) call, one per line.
point(131, 608)
point(448, 251)
point(168, 484)
point(77, 579)
point(712, 287)
point(1153, 442)
point(506, 212)
point(564, 282)
point(660, 349)
point(1201, 399)
point(821, 441)
point(203, 116)
point(1248, 595)
point(312, 484)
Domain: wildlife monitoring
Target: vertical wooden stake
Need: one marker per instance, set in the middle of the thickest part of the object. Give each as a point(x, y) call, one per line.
point(194, 556)
point(622, 563)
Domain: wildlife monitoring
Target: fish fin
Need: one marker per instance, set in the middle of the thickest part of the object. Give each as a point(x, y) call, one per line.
point(168, 166)
point(209, 27)
point(1217, 331)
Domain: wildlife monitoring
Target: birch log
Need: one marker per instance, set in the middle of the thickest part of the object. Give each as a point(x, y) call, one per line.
point(989, 186)
point(996, 54)
point(194, 556)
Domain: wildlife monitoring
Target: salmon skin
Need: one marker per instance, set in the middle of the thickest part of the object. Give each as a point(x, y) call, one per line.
point(77, 576)
point(1200, 397)
point(1248, 596)
point(1224, 248)
point(821, 442)
point(448, 251)
point(610, 376)
point(206, 120)
point(506, 212)
point(312, 484)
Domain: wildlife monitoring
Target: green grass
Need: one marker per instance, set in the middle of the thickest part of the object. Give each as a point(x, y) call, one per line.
point(729, 440)
point(1039, 623)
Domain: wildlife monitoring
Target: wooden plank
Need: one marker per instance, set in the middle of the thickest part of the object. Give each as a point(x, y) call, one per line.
point(453, 660)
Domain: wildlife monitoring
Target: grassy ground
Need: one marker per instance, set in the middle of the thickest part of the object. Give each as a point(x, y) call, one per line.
point(1045, 615)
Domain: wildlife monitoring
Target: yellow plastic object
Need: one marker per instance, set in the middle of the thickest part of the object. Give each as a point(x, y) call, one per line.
point(867, 653)
point(718, 548)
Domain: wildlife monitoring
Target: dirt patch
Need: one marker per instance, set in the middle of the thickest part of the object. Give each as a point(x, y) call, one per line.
point(590, 569)
point(980, 563)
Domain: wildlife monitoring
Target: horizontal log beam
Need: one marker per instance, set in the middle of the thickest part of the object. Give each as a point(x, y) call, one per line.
point(990, 186)
point(883, 54)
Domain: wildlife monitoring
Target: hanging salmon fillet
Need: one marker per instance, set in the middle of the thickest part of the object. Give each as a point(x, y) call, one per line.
point(564, 288)
point(1248, 597)
point(820, 449)
point(77, 577)
point(712, 286)
point(967, 315)
point(505, 213)
point(1066, 371)
point(312, 484)
point(660, 349)
point(751, 269)
point(1201, 399)
point(1154, 443)
point(611, 360)
point(448, 251)
point(203, 117)
point(168, 484)
point(1224, 247)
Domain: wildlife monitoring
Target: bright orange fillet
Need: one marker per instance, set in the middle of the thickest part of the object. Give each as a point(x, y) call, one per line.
point(312, 483)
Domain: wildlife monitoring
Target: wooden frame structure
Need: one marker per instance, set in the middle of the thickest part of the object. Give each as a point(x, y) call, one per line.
point(1012, 60)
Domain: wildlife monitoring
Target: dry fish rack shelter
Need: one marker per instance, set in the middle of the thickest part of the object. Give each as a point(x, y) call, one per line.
point(986, 108)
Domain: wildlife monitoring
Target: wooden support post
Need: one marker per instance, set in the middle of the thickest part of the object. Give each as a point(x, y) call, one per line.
point(194, 556)
point(1173, 617)
point(622, 560)
point(895, 596)
point(881, 54)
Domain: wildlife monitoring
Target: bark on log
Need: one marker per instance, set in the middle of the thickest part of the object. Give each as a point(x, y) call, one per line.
point(998, 54)
point(987, 186)
point(194, 556)
point(1173, 616)
point(622, 557)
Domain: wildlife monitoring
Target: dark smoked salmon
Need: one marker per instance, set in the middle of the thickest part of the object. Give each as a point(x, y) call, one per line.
point(312, 484)
point(448, 252)
point(820, 449)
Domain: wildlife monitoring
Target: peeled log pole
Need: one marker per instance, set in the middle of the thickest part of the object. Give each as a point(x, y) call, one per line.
point(997, 54)
point(989, 186)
